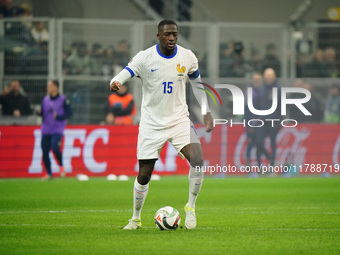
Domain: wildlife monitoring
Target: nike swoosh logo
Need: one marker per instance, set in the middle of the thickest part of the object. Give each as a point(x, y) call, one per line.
point(198, 183)
point(152, 70)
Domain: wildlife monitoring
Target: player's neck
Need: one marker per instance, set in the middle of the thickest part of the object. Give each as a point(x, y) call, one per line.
point(165, 51)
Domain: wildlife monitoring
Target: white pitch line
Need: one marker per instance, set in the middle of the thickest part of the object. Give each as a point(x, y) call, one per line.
point(149, 227)
point(150, 210)
point(294, 229)
point(66, 211)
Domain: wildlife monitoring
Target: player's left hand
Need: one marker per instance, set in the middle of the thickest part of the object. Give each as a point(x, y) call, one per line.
point(208, 122)
point(55, 115)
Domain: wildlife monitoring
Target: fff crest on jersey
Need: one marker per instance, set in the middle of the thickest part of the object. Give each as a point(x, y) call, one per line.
point(181, 71)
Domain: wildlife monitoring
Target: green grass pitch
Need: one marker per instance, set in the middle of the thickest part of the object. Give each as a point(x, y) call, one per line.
point(235, 216)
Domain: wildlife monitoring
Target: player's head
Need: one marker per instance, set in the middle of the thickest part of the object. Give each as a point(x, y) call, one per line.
point(167, 34)
point(53, 87)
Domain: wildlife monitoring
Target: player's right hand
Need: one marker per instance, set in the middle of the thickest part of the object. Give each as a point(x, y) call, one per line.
point(115, 86)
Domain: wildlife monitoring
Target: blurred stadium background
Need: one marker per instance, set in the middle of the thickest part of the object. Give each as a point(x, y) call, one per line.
point(232, 39)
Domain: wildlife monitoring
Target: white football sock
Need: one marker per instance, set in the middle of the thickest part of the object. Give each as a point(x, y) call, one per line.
point(195, 183)
point(139, 195)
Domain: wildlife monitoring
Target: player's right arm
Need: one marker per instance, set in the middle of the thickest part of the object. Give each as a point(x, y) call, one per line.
point(119, 79)
point(134, 68)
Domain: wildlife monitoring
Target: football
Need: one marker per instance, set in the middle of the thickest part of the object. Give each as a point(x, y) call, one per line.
point(167, 218)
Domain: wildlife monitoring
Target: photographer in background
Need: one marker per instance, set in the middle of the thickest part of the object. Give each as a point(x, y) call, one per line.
point(14, 102)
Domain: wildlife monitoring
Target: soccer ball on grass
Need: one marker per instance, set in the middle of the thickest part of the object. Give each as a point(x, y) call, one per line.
point(167, 218)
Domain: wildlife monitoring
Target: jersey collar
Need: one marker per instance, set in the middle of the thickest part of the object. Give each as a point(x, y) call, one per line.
point(164, 56)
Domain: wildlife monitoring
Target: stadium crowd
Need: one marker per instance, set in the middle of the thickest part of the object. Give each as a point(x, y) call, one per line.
point(233, 63)
point(27, 46)
point(99, 60)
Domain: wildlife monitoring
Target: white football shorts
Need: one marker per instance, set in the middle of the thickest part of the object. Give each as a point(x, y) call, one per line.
point(151, 141)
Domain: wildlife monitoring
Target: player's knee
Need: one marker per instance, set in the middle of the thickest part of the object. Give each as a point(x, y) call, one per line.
point(143, 178)
point(197, 161)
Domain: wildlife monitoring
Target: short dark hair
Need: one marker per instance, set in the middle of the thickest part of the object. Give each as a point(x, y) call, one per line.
point(166, 22)
point(55, 82)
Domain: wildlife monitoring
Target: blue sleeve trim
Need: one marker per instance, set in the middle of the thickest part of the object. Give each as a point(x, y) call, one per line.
point(130, 71)
point(194, 75)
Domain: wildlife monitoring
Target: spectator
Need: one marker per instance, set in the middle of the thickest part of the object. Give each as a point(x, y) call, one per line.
point(255, 61)
point(271, 59)
point(313, 105)
point(14, 103)
point(317, 67)
point(256, 85)
point(80, 62)
point(19, 33)
point(330, 59)
point(35, 60)
point(39, 32)
point(26, 15)
point(123, 53)
point(121, 107)
point(55, 110)
point(202, 59)
point(97, 52)
point(7, 10)
point(265, 101)
point(240, 65)
point(226, 60)
point(109, 67)
point(332, 108)
point(64, 55)
point(300, 64)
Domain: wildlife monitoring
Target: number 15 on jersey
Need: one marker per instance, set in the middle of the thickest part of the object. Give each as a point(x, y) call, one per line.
point(167, 87)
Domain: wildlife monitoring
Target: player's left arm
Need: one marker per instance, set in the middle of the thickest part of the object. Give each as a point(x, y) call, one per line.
point(196, 84)
point(67, 111)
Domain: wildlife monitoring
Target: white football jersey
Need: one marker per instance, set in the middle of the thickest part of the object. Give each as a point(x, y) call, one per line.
point(164, 80)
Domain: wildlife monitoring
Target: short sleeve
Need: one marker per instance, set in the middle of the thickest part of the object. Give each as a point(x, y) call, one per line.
point(135, 65)
point(194, 62)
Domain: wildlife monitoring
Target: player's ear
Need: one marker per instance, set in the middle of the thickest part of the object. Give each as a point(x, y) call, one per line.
point(158, 36)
